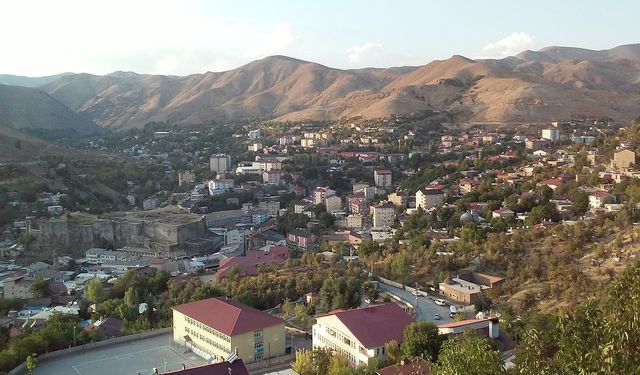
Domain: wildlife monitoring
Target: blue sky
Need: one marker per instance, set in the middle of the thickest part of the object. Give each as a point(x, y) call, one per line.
point(184, 37)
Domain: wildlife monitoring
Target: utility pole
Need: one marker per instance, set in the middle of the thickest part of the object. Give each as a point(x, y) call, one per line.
point(74, 335)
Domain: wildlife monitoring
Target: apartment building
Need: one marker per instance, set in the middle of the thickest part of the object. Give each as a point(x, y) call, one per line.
point(219, 163)
point(216, 327)
point(361, 334)
point(429, 197)
point(384, 214)
point(382, 178)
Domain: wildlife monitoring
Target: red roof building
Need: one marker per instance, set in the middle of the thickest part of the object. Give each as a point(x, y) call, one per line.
point(418, 366)
point(248, 265)
point(361, 334)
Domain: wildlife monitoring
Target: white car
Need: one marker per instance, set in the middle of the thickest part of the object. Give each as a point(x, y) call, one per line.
point(415, 293)
point(440, 302)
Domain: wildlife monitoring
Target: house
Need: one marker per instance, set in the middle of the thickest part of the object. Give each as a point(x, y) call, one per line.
point(553, 183)
point(216, 327)
point(398, 199)
point(502, 213)
point(109, 327)
point(467, 185)
point(248, 264)
point(382, 178)
point(231, 366)
point(416, 366)
point(311, 298)
point(17, 287)
point(600, 198)
point(321, 193)
point(430, 196)
point(623, 159)
point(490, 326)
point(536, 144)
point(469, 286)
point(361, 334)
point(384, 214)
point(302, 238)
point(333, 204)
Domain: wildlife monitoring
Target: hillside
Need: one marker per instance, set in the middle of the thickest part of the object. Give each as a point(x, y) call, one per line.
point(22, 148)
point(13, 80)
point(534, 86)
point(25, 108)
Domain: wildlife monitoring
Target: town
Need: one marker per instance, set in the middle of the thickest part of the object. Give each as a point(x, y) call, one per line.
point(310, 247)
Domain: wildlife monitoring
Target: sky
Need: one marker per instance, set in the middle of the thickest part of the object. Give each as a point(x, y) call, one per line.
point(194, 36)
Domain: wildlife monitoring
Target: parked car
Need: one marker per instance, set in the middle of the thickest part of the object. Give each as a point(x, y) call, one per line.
point(436, 316)
point(440, 302)
point(415, 293)
point(452, 311)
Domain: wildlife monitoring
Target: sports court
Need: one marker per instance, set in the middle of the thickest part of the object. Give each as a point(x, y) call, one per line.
point(134, 358)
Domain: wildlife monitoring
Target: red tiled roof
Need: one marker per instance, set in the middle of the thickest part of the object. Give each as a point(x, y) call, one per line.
point(248, 265)
point(418, 366)
point(237, 367)
point(365, 323)
point(229, 317)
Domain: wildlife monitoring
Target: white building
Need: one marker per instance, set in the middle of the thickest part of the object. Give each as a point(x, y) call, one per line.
point(552, 134)
point(429, 197)
point(321, 193)
point(333, 204)
point(384, 214)
point(361, 334)
point(382, 178)
point(219, 163)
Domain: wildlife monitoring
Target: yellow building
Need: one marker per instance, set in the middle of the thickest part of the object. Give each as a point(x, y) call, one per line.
point(214, 328)
point(623, 159)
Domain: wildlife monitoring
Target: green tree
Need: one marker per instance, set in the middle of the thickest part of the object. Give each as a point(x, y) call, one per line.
point(39, 288)
point(303, 363)
point(94, 292)
point(421, 339)
point(370, 290)
point(339, 365)
point(32, 362)
point(580, 202)
point(468, 354)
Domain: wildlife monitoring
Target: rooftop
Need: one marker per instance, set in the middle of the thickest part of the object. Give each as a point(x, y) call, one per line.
point(236, 367)
point(364, 323)
point(228, 316)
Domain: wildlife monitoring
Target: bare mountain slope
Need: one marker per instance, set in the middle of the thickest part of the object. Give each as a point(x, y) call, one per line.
point(545, 85)
point(30, 108)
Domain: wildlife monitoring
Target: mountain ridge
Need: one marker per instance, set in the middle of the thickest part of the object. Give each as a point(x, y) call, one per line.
point(533, 86)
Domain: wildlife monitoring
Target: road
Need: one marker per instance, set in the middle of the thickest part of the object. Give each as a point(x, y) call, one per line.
point(426, 307)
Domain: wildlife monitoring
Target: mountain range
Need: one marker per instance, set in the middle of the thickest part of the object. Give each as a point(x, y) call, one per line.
point(534, 86)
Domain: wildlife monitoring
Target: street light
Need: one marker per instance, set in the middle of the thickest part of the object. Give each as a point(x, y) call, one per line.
point(74, 335)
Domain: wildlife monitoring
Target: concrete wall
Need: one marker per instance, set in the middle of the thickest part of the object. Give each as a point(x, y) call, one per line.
point(273, 343)
point(91, 346)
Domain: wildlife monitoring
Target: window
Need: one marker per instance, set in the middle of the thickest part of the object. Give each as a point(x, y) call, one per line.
point(259, 357)
point(257, 334)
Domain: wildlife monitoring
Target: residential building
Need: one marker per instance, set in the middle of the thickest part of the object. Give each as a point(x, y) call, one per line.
point(361, 334)
point(216, 327)
point(255, 147)
point(186, 177)
point(469, 286)
point(17, 287)
point(333, 204)
point(254, 134)
point(150, 204)
point(429, 197)
point(321, 193)
point(489, 327)
point(248, 264)
point(502, 213)
point(551, 134)
point(218, 186)
point(416, 366)
point(536, 144)
point(600, 198)
point(219, 163)
point(623, 159)
point(302, 238)
point(398, 199)
point(273, 176)
point(384, 214)
point(383, 178)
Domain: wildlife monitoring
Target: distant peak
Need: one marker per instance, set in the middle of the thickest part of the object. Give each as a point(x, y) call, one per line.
point(123, 74)
point(461, 58)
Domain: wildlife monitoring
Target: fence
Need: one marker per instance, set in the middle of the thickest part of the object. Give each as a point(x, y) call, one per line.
point(91, 346)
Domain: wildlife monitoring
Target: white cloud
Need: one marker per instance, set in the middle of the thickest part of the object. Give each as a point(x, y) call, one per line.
point(508, 46)
point(355, 54)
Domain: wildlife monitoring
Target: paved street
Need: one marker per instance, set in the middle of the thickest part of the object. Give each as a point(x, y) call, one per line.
point(426, 307)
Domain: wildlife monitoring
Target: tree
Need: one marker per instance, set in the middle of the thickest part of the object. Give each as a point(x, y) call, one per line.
point(421, 339)
point(94, 292)
point(131, 297)
point(580, 202)
point(468, 354)
point(370, 291)
point(303, 364)
point(339, 365)
point(394, 353)
point(39, 288)
point(32, 362)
